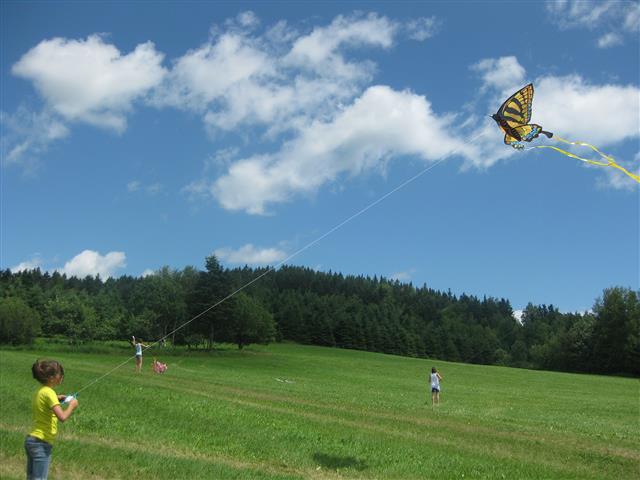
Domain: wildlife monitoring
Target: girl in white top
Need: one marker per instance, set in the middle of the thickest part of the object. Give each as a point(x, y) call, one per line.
point(435, 386)
point(138, 345)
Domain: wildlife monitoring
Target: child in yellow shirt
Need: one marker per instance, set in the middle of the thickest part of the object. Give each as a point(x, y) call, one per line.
point(46, 413)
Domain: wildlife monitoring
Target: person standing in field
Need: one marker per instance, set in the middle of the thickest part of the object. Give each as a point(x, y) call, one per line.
point(138, 345)
point(435, 386)
point(46, 413)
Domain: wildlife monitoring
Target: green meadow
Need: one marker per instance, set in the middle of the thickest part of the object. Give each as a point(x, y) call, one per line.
point(288, 411)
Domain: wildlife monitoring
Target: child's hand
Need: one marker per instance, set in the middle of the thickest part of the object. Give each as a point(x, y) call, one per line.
point(73, 403)
point(69, 398)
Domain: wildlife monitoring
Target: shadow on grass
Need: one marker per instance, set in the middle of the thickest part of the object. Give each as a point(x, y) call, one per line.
point(335, 462)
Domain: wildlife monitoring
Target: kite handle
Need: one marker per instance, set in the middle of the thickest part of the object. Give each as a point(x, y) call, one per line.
point(70, 397)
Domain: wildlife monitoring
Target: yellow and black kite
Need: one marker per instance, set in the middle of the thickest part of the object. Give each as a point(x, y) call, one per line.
point(513, 118)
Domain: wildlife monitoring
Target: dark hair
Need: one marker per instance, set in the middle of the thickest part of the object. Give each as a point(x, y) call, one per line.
point(43, 370)
point(433, 369)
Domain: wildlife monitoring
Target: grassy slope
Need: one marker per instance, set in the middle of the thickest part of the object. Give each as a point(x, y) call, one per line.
point(342, 414)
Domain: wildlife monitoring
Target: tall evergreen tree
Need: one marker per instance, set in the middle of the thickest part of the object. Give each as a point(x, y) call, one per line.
point(209, 304)
point(615, 333)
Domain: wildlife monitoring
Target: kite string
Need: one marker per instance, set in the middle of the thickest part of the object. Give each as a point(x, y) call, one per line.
point(610, 161)
point(278, 265)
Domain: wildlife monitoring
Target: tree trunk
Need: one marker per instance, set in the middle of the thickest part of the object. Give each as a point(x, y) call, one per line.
point(210, 345)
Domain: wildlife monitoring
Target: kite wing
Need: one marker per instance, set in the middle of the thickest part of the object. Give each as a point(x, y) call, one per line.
point(513, 118)
point(526, 134)
point(516, 110)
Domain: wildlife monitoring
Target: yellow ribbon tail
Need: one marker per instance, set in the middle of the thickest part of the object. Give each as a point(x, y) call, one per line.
point(610, 162)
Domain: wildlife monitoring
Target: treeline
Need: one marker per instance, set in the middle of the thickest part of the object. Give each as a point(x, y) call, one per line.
point(302, 305)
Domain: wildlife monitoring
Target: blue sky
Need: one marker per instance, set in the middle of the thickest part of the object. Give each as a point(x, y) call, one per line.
point(142, 134)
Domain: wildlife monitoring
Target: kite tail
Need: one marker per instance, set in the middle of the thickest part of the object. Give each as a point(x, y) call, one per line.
point(610, 162)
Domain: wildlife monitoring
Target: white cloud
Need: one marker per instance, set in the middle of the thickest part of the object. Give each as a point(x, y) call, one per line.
point(610, 40)
point(632, 18)
point(616, 179)
point(148, 272)
point(281, 34)
point(489, 145)
point(404, 277)
point(201, 188)
point(381, 124)
point(28, 134)
point(250, 255)
point(222, 158)
point(247, 19)
point(274, 78)
point(621, 16)
point(577, 110)
point(151, 189)
point(422, 28)
point(35, 262)
point(85, 263)
point(89, 80)
point(500, 73)
point(207, 73)
point(319, 48)
point(517, 314)
point(279, 79)
point(197, 189)
point(584, 13)
point(90, 262)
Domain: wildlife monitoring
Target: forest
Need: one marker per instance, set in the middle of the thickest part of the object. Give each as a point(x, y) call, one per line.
point(199, 308)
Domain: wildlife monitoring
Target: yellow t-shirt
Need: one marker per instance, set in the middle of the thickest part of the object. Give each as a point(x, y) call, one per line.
point(45, 422)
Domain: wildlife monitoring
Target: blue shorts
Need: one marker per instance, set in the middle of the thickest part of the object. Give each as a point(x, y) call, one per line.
point(435, 390)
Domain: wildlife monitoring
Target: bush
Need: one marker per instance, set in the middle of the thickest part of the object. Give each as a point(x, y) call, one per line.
point(19, 323)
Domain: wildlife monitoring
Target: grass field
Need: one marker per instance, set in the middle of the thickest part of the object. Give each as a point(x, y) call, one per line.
point(289, 411)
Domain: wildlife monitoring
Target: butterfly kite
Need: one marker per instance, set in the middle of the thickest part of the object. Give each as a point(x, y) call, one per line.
point(513, 118)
